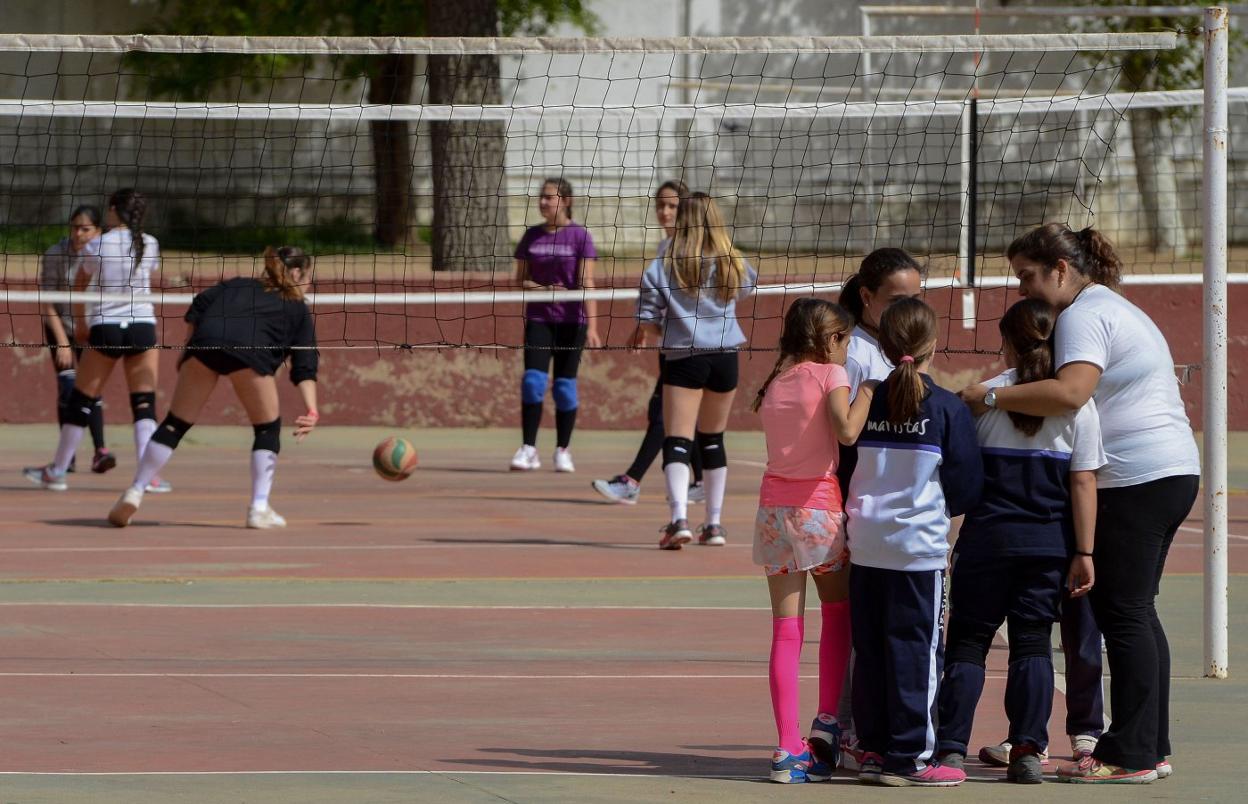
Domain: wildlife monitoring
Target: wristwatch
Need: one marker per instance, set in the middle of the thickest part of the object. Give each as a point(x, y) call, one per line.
point(990, 398)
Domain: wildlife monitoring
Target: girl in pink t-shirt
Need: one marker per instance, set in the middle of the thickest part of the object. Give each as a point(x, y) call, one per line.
point(800, 527)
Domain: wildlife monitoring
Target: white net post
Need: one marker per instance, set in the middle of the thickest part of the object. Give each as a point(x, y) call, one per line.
point(1215, 348)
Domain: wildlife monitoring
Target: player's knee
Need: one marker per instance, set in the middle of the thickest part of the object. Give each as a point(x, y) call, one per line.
point(170, 431)
point(78, 408)
point(143, 405)
point(968, 641)
point(533, 387)
point(677, 450)
point(268, 436)
point(711, 450)
point(1030, 639)
point(564, 393)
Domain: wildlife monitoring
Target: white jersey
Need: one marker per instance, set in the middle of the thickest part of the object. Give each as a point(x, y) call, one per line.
point(1143, 423)
point(109, 261)
point(865, 360)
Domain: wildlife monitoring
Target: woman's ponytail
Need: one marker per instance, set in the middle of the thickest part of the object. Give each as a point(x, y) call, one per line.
point(908, 339)
point(278, 263)
point(1027, 328)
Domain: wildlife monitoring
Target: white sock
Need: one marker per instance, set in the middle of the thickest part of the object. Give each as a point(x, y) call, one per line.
point(143, 429)
point(677, 476)
point(263, 465)
point(715, 481)
point(71, 436)
point(155, 456)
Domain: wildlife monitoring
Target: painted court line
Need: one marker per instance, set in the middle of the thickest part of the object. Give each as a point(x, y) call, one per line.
point(297, 548)
point(624, 775)
point(442, 676)
point(432, 606)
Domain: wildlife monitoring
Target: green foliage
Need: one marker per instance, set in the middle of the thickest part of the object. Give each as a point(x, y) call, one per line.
point(29, 239)
point(197, 77)
point(1148, 70)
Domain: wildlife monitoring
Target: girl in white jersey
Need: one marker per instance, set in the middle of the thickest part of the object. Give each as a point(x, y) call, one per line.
point(118, 263)
point(1108, 350)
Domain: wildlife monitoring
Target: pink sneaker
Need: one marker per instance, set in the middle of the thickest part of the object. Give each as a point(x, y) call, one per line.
point(933, 774)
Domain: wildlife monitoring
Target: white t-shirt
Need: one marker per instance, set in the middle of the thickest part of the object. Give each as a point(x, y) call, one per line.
point(865, 360)
point(109, 260)
point(1143, 423)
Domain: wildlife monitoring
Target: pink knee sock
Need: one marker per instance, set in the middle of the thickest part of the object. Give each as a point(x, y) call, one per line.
point(834, 645)
point(786, 652)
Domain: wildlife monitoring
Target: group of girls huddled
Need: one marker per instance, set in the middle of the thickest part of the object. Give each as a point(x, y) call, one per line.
point(1068, 497)
point(241, 328)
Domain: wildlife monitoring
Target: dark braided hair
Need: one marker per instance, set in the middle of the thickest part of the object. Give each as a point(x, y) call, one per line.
point(130, 206)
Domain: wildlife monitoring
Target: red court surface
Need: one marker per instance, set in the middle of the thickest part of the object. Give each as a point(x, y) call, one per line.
point(467, 621)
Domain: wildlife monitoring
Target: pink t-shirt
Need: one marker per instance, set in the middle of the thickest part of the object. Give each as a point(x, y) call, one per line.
point(802, 450)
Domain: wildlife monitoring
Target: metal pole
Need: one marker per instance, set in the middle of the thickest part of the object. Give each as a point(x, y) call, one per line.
point(1215, 320)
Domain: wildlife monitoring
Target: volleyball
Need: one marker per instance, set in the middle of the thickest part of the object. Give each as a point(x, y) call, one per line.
point(394, 458)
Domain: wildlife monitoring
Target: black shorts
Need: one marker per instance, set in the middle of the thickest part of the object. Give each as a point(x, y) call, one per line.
point(714, 371)
point(561, 343)
point(122, 340)
point(219, 360)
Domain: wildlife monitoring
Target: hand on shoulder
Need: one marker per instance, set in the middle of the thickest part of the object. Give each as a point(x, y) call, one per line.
point(973, 396)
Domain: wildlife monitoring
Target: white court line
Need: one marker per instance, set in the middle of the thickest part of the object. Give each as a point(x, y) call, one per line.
point(371, 772)
point(439, 676)
point(743, 462)
point(1190, 529)
point(327, 547)
point(433, 606)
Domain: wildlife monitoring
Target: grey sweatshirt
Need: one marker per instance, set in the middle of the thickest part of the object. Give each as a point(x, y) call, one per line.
point(693, 320)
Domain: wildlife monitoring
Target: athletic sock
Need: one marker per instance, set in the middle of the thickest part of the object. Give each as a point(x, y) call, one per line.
point(677, 476)
point(71, 437)
point(97, 425)
point(530, 421)
point(565, 423)
point(143, 429)
point(715, 481)
point(263, 465)
point(834, 644)
point(155, 456)
point(782, 671)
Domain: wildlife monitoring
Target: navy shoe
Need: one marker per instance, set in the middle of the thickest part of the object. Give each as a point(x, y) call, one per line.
point(789, 768)
point(825, 741)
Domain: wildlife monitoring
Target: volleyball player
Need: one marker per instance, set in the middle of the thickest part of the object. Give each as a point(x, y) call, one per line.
point(119, 262)
point(559, 253)
point(242, 329)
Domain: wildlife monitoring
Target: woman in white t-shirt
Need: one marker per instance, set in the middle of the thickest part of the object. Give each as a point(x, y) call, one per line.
point(1108, 350)
point(118, 263)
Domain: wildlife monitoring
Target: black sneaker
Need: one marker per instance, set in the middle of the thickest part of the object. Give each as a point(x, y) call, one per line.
point(675, 534)
point(1024, 766)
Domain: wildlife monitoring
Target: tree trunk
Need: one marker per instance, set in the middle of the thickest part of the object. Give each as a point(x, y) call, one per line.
point(1155, 174)
point(469, 158)
point(392, 150)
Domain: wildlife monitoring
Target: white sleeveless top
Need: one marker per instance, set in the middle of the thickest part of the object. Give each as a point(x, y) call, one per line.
point(109, 260)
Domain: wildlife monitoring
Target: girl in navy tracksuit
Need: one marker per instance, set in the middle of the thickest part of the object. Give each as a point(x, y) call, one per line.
point(918, 466)
point(1031, 534)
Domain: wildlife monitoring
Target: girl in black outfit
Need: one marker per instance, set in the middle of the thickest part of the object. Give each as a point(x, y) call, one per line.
point(243, 329)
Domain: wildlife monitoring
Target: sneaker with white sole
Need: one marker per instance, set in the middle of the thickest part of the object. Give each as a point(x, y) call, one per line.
point(789, 768)
point(264, 518)
point(852, 752)
point(159, 486)
point(525, 459)
point(563, 460)
point(125, 507)
point(697, 493)
point(620, 489)
point(870, 767)
point(1082, 745)
point(932, 774)
point(998, 756)
point(1091, 770)
point(712, 535)
point(825, 740)
point(675, 535)
point(1025, 765)
point(1164, 769)
point(45, 477)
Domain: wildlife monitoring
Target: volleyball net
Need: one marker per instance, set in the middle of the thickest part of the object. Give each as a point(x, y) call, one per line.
point(409, 168)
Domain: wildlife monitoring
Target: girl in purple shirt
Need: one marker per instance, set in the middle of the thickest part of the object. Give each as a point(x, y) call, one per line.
point(557, 253)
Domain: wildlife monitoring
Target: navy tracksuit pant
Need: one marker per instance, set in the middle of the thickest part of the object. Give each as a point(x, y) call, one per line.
point(897, 618)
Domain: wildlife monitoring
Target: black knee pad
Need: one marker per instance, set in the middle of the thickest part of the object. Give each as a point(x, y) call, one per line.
point(968, 641)
point(143, 405)
point(268, 436)
point(677, 450)
point(170, 431)
point(711, 450)
point(78, 408)
point(1030, 639)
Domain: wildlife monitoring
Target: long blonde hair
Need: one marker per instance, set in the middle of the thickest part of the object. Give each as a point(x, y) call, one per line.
point(278, 263)
point(700, 229)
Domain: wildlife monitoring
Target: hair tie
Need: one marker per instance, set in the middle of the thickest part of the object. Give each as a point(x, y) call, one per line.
point(907, 359)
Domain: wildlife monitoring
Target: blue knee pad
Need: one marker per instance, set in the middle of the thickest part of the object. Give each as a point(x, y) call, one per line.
point(533, 387)
point(564, 393)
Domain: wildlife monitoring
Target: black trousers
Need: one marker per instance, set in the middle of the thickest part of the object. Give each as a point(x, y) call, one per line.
point(1134, 528)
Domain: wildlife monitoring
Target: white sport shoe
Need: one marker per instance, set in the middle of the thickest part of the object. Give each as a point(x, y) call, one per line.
point(1082, 745)
point(125, 507)
point(264, 518)
point(45, 477)
point(159, 486)
point(563, 460)
point(620, 489)
point(525, 459)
